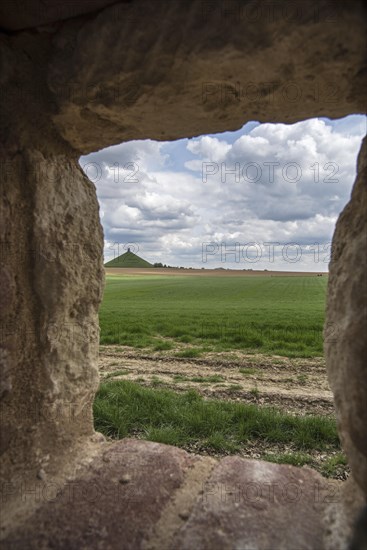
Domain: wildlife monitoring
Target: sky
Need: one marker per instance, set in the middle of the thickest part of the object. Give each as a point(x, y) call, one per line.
point(264, 197)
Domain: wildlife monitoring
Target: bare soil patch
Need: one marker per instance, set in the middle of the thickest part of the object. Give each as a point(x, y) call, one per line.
point(297, 386)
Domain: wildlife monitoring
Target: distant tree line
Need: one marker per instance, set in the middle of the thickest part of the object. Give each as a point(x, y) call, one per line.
point(159, 264)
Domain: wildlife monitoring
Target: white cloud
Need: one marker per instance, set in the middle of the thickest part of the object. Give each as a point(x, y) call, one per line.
point(277, 182)
point(209, 148)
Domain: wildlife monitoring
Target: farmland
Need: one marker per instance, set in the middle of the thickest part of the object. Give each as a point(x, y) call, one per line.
point(260, 314)
point(219, 364)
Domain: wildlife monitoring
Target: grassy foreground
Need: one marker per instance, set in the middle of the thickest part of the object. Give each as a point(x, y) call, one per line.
point(124, 408)
point(272, 315)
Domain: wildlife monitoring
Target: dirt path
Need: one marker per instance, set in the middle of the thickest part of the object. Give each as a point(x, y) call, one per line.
point(296, 386)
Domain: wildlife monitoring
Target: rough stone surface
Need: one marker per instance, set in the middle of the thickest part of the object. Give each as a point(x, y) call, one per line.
point(346, 325)
point(51, 279)
point(99, 509)
point(344, 506)
point(140, 70)
point(254, 504)
point(207, 70)
point(16, 14)
point(52, 273)
point(137, 494)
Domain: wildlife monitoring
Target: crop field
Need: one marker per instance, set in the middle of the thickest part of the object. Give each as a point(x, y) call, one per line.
point(219, 364)
point(264, 314)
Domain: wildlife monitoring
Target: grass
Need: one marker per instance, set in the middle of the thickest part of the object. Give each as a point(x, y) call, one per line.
point(128, 259)
point(124, 408)
point(212, 379)
point(255, 392)
point(302, 379)
point(327, 468)
point(163, 345)
point(273, 315)
point(248, 371)
point(180, 378)
point(116, 373)
point(295, 459)
point(156, 381)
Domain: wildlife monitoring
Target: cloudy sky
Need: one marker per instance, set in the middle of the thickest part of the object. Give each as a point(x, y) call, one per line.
point(264, 197)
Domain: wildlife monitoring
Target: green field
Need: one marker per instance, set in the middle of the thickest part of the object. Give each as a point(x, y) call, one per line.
point(125, 409)
point(189, 315)
point(258, 314)
point(178, 419)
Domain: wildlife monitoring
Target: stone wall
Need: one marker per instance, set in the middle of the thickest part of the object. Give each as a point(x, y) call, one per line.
point(51, 278)
point(74, 82)
point(346, 324)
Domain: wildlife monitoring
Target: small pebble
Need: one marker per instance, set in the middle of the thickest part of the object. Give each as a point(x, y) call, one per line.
point(41, 474)
point(125, 479)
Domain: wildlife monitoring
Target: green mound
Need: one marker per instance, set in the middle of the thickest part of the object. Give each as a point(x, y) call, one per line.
point(129, 259)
